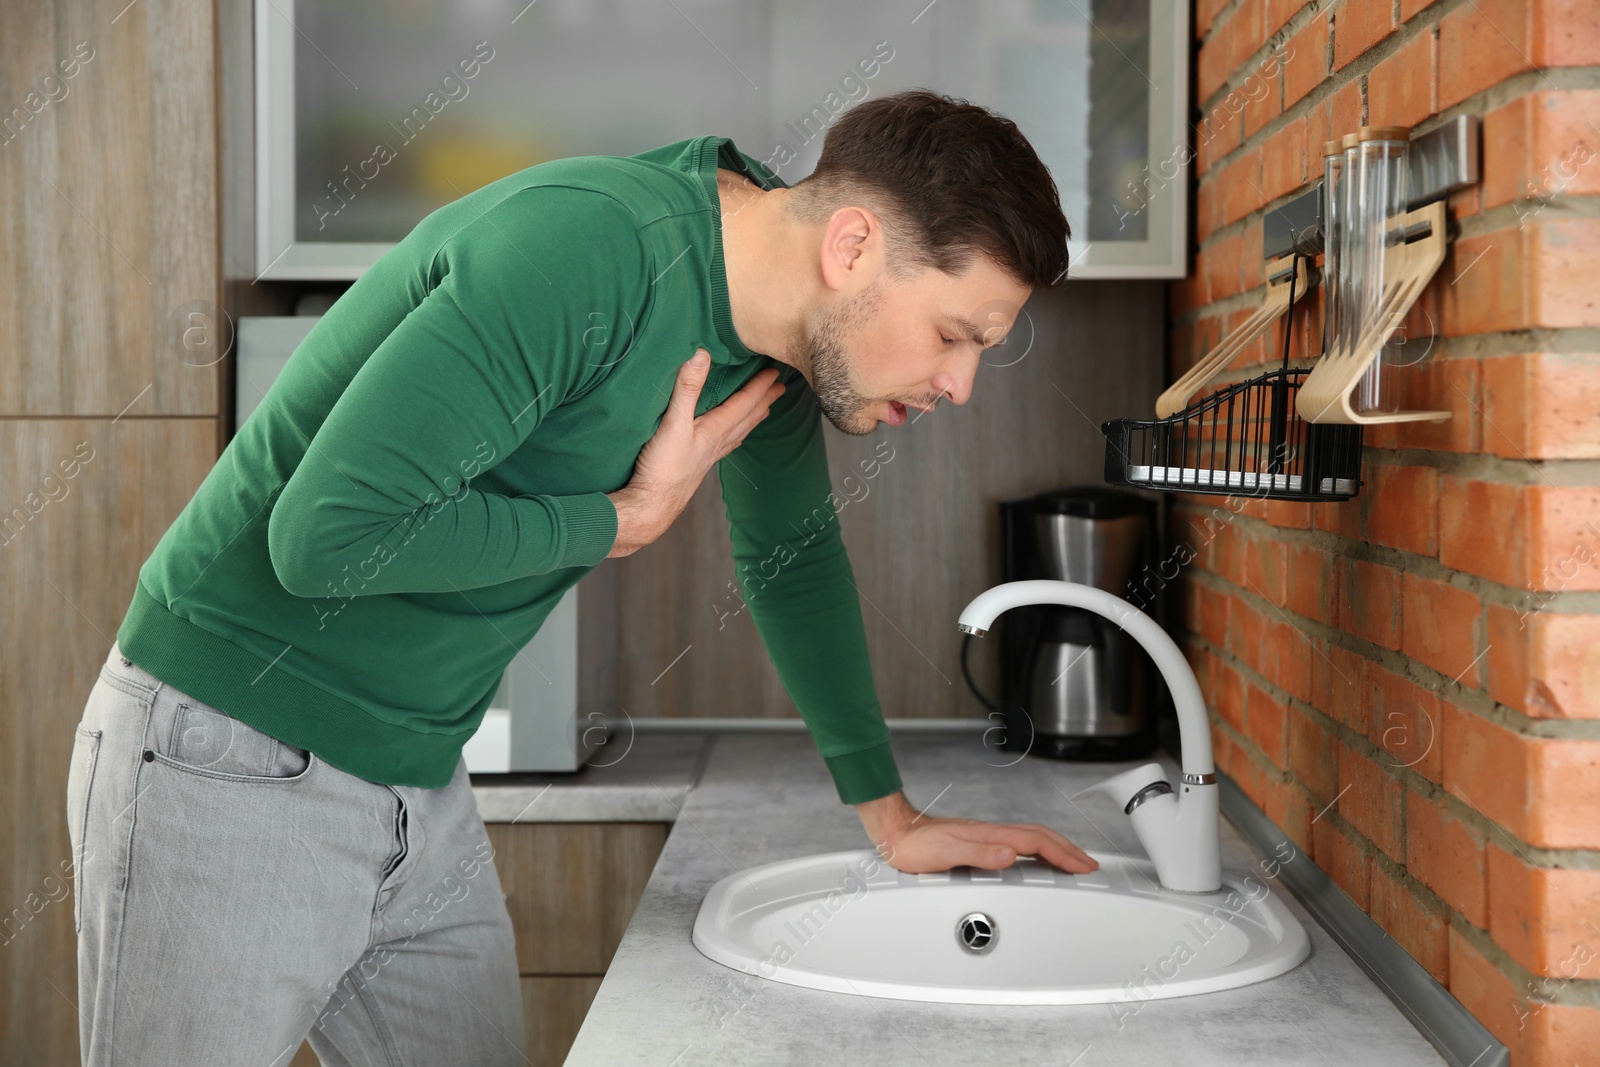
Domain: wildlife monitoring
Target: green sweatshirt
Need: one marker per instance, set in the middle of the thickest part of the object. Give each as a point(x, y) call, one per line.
point(427, 477)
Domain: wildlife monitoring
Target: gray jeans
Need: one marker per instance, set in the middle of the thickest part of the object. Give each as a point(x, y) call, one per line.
point(236, 895)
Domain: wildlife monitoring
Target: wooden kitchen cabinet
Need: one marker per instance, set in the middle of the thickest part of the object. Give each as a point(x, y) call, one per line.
point(109, 412)
point(553, 1007)
point(92, 497)
point(571, 889)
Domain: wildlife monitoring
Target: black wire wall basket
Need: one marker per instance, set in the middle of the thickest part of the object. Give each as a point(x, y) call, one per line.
point(1244, 440)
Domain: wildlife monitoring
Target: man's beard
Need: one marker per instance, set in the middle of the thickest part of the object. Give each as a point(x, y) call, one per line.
point(821, 350)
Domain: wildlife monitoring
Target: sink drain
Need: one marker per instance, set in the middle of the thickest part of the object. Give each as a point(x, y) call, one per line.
point(977, 933)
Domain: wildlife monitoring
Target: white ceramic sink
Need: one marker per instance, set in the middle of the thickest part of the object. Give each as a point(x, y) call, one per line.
point(849, 923)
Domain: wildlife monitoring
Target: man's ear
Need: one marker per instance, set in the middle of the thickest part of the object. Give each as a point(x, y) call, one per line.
point(851, 243)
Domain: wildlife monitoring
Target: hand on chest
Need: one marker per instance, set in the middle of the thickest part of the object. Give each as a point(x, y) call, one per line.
point(592, 442)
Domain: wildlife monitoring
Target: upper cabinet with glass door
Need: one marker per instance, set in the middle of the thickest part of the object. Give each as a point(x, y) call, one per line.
point(371, 114)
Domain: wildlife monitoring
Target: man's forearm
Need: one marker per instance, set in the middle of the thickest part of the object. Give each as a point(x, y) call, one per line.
point(886, 815)
point(635, 525)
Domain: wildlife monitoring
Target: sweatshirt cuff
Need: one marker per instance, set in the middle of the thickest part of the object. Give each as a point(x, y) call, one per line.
point(591, 525)
point(865, 774)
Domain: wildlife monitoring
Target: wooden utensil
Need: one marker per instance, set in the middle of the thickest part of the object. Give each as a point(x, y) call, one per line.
point(1275, 303)
point(1408, 266)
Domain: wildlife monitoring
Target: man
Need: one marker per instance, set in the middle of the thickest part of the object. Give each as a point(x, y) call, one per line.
point(273, 827)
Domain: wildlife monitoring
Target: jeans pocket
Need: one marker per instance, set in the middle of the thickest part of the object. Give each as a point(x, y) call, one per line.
point(80, 781)
point(205, 741)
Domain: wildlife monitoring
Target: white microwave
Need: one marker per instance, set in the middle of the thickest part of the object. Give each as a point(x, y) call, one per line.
point(532, 723)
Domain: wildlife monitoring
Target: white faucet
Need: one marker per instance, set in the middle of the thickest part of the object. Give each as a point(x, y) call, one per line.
point(1180, 832)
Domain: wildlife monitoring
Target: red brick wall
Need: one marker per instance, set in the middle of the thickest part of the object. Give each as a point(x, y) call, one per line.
point(1409, 683)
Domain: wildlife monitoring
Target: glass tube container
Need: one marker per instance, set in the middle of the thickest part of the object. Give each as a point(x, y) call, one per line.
point(1350, 279)
point(1381, 195)
point(1332, 189)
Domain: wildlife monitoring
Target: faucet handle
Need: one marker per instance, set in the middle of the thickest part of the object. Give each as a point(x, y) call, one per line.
point(1132, 787)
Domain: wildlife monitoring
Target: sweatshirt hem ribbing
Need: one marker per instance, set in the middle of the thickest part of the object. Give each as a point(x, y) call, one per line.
point(246, 687)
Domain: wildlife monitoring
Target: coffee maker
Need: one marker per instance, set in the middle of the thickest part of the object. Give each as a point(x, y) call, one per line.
point(1073, 684)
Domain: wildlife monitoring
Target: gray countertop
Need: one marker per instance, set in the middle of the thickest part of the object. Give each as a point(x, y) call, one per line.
point(761, 798)
point(641, 777)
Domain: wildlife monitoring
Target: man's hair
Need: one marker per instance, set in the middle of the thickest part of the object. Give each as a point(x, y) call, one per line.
point(949, 179)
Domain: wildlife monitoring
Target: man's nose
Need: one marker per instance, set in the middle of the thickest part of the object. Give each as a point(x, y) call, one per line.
point(956, 387)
